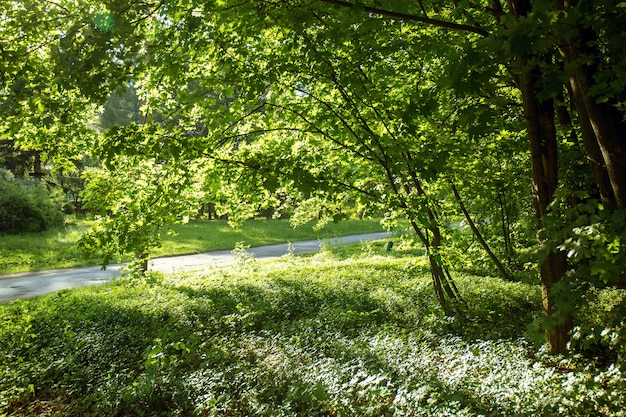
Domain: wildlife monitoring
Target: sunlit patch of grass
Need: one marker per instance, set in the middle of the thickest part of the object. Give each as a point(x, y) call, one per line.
point(58, 248)
point(202, 236)
point(44, 250)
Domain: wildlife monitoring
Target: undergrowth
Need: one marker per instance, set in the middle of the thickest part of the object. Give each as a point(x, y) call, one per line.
point(323, 335)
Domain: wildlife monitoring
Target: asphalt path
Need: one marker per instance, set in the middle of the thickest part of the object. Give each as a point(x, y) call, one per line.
point(27, 285)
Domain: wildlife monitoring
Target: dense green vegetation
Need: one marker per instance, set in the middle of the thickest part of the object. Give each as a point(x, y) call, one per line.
point(351, 333)
point(495, 129)
point(58, 248)
point(25, 206)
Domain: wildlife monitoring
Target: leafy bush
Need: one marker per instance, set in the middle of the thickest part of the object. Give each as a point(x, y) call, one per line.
point(26, 206)
point(593, 240)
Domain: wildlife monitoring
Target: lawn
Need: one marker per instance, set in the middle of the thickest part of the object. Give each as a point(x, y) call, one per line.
point(342, 333)
point(58, 248)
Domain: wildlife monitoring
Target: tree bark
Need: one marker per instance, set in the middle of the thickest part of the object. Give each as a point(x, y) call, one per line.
point(592, 149)
point(445, 289)
point(442, 279)
point(552, 270)
point(543, 150)
point(603, 127)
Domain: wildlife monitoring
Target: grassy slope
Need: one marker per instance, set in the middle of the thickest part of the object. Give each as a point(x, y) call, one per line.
point(203, 236)
point(58, 248)
point(325, 335)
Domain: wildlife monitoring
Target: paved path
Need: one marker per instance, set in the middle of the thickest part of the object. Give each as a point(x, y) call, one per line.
point(38, 283)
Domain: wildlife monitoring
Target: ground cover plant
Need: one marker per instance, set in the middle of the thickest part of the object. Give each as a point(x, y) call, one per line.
point(333, 334)
point(58, 248)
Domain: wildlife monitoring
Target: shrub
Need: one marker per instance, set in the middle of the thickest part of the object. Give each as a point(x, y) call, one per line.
point(26, 206)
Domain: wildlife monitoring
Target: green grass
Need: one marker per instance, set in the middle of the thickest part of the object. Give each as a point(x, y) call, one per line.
point(203, 236)
point(58, 248)
point(332, 334)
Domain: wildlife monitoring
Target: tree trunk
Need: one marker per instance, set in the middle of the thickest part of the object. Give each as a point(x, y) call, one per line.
point(501, 270)
point(543, 151)
point(592, 149)
point(552, 268)
point(445, 289)
point(603, 127)
point(442, 280)
point(141, 261)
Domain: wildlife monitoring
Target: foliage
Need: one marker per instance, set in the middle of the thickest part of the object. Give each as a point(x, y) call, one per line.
point(368, 123)
point(360, 335)
point(133, 202)
point(41, 110)
point(26, 206)
point(593, 239)
point(19, 162)
point(493, 181)
point(332, 103)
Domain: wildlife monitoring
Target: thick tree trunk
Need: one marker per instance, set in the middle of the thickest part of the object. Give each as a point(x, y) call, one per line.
point(543, 150)
point(603, 127)
point(552, 269)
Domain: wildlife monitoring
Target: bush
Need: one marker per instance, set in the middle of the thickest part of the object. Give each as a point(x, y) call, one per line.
point(26, 206)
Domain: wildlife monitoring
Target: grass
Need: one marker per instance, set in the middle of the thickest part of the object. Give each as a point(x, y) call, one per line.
point(203, 236)
point(341, 333)
point(58, 248)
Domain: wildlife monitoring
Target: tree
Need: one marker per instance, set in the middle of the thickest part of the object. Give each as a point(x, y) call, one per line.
point(589, 39)
point(571, 27)
point(511, 36)
point(135, 198)
point(365, 140)
point(60, 60)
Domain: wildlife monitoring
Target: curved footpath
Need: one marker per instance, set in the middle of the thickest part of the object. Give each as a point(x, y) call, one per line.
point(31, 284)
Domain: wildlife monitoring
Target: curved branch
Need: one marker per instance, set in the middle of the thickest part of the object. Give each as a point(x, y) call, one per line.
point(411, 17)
point(317, 129)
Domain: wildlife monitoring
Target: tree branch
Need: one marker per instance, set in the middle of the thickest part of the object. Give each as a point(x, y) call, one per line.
point(411, 17)
point(301, 116)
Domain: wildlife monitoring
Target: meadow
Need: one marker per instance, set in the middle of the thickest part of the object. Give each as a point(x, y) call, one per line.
point(58, 248)
point(351, 331)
